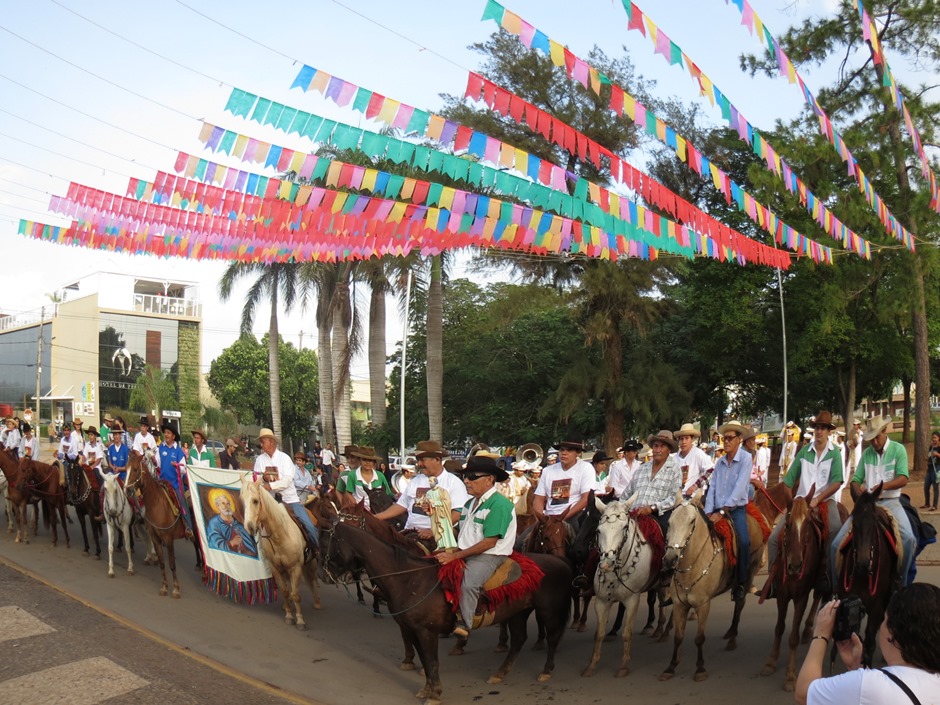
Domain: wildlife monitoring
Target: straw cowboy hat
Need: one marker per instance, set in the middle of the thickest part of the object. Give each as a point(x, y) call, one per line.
point(761, 438)
point(266, 433)
point(198, 432)
point(749, 433)
point(824, 419)
point(664, 436)
point(430, 449)
point(108, 418)
point(735, 426)
point(688, 430)
point(875, 425)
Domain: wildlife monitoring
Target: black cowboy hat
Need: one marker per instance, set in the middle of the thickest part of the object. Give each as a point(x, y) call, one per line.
point(167, 427)
point(632, 444)
point(571, 445)
point(600, 457)
point(144, 421)
point(481, 465)
point(92, 431)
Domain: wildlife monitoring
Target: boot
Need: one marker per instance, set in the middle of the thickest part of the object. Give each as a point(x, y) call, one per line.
point(460, 629)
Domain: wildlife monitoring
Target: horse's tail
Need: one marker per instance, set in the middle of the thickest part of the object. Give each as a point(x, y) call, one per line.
point(46, 520)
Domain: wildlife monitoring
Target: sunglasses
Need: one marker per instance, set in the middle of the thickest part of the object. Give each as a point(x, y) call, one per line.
point(729, 439)
point(472, 476)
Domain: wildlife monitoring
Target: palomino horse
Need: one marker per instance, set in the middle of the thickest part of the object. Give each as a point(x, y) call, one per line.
point(794, 578)
point(282, 543)
point(42, 480)
point(417, 601)
point(164, 525)
point(82, 496)
point(17, 501)
point(119, 515)
point(624, 573)
point(701, 570)
point(869, 564)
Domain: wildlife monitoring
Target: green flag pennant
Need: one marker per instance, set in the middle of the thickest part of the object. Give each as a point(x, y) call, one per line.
point(346, 137)
point(227, 142)
point(434, 194)
point(489, 177)
point(240, 102)
point(422, 154)
point(461, 168)
point(261, 109)
point(141, 188)
point(504, 182)
point(201, 167)
point(299, 123)
point(326, 131)
point(418, 122)
point(650, 123)
point(373, 144)
point(581, 189)
point(395, 182)
point(436, 162)
point(493, 11)
point(675, 54)
point(361, 101)
point(403, 154)
point(274, 114)
point(350, 203)
point(286, 119)
point(319, 170)
point(475, 172)
point(312, 127)
point(449, 165)
point(505, 213)
point(262, 186)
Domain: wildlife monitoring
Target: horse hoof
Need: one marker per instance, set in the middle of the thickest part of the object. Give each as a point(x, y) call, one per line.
point(587, 672)
point(700, 676)
point(163, 592)
point(623, 673)
point(666, 676)
point(456, 651)
point(176, 594)
point(732, 645)
point(111, 574)
point(789, 686)
point(423, 693)
point(544, 677)
point(316, 605)
point(302, 627)
point(406, 666)
point(647, 631)
point(85, 554)
point(97, 557)
point(662, 638)
point(582, 627)
point(130, 571)
point(768, 669)
point(501, 649)
point(494, 680)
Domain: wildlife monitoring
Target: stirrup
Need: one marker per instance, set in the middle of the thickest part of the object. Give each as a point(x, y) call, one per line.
point(460, 630)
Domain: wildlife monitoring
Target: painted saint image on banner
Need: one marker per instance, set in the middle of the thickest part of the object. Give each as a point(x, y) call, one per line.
point(224, 528)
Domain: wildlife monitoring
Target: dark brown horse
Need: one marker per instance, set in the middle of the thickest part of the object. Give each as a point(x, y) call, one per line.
point(84, 497)
point(554, 536)
point(794, 577)
point(869, 564)
point(772, 502)
point(164, 524)
point(19, 501)
point(417, 601)
point(42, 480)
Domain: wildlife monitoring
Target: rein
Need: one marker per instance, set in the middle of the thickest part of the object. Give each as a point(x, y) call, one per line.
point(716, 549)
point(763, 489)
point(635, 548)
point(34, 485)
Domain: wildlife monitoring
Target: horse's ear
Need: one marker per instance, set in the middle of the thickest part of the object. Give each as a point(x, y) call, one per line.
point(679, 497)
point(809, 495)
point(599, 506)
point(628, 503)
point(564, 514)
point(698, 499)
point(876, 493)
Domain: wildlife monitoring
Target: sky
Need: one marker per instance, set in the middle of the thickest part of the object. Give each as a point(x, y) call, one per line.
point(97, 92)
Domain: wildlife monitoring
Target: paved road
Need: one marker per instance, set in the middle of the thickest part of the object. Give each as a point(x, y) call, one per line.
point(348, 657)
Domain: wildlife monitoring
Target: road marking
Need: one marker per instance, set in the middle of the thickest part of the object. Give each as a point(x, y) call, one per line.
point(86, 682)
point(19, 624)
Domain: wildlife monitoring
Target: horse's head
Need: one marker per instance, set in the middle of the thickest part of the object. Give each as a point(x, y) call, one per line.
point(801, 540)
point(74, 481)
point(552, 536)
point(252, 499)
point(613, 531)
point(681, 527)
point(111, 488)
point(27, 473)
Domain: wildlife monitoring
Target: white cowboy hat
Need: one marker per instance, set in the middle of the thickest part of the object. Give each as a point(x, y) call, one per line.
point(688, 430)
point(874, 426)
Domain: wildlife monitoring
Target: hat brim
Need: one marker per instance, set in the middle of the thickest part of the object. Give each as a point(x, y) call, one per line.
point(870, 435)
point(666, 441)
point(499, 474)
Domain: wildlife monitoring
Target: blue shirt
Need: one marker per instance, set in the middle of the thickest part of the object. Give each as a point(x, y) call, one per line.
point(117, 458)
point(729, 482)
point(168, 456)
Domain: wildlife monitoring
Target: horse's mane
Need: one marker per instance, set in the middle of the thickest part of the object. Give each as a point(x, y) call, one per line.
point(383, 530)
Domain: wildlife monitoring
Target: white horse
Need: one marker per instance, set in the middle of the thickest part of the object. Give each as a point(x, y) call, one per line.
point(282, 544)
point(624, 575)
point(118, 514)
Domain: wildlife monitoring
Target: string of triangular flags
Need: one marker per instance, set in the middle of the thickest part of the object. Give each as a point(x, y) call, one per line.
point(622, 102)
point(754, 24)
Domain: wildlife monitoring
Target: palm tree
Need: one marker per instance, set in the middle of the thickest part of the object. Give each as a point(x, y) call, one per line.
point(274, 280)
point(435, 350)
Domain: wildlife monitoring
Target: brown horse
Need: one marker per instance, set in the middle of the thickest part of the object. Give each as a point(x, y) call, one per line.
point(84, 497)
point(554, 536)
point(772, 502)
point(702, 570)
point(869, 564)
point(42, 480)
point(164, 524)
point(794, 577)
point(17, 501)
point(417, 600)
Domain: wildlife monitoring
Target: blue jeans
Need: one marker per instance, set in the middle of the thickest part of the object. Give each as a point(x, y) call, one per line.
point(739, 519)
point(893, 506)
point(298, 511)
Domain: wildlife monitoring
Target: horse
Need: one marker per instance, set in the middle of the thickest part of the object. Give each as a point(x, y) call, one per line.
point(282, 543)
point(625, 571)
point(869, 565)
point(118, 514)
point(701, 570)
point(81, 495)
point(554, 536)
point(772, 502)
point(794, 578)
point(418, 603)
point(17, 500)
point(42, 480)
point(163, 527)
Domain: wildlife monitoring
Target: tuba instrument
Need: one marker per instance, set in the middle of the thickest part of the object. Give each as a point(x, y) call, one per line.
point(530, 455)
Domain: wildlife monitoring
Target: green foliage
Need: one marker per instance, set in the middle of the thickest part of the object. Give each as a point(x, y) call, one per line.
point(154, 390)
point(240, 379)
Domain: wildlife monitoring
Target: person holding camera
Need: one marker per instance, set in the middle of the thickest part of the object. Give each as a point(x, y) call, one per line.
point(907, 639)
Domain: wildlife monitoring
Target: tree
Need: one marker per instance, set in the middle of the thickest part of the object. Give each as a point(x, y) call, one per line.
point(154, 390)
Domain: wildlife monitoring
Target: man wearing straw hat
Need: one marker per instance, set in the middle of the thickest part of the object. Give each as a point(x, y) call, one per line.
point(693, 461)
point(884, 463)
point(728, 496)
point(657, 481)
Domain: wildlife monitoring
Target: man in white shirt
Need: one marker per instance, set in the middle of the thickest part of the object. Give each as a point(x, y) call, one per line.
point(693, 461)
point(430, 457)
point(277, 469)
point(327, 459)
point(143, 439)
point(762, 459)
point(623, 470)
point(564, 486)
point(11, 440)
point(76, 442)
point(29, 444)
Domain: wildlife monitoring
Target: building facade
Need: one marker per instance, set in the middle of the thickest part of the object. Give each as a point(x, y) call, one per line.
point(97, 342)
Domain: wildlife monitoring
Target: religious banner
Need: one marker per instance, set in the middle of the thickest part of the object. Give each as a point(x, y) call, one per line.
point(234, 566)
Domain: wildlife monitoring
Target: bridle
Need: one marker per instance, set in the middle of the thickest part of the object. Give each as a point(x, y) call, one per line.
point(716, 549)
point(804, 543)
point(616, 556)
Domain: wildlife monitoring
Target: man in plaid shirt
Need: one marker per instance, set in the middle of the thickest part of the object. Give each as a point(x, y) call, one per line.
point(658, 481)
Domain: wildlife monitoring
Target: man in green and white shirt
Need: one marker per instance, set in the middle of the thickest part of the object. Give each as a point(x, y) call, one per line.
point(883, 462)
point(352, 485)
point(486, 533)
point(199, 455)
point(817, 464)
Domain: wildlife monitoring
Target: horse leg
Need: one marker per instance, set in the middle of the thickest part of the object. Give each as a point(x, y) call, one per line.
point(732, 634)
point(112, 535)
point(81, 520)
point(310, 575)
point(650, 612)
point(359, 595)
point(9, 507)
point(408, 663)
point(295, 575)
point(601, 612)
point(680, 614)
point(633, 603)
point(518, 635)
point(703, 609)
point(129, 544)
point(502, 646)
point(799, 607)
point(96, 532)
point(282, 587)
point(585, 602)
point(664, 623)
point(783, 604)
point(151, 558)
point(62, 515)
point(618, 622)
point(575, 607)
point(810, 619)
point(426, 643)
point(159, 553)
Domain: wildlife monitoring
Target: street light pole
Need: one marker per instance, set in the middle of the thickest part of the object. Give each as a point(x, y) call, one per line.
point(42, 317)
point(404, 360)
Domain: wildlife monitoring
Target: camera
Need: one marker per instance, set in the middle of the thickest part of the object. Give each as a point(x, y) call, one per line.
point(849, 617)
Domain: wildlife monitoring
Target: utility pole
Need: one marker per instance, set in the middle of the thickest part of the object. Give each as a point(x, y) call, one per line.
point(301, 346)
point(42, 317)
point(404, 366)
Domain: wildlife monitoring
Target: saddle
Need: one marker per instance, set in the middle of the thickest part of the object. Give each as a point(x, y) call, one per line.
point(888, 525)
point(725, 530)
point(516, 577)
point(173, 499)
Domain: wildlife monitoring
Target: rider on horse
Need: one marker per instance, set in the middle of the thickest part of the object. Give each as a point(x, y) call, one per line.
point(352, 485)
point(487, 531)
point(29, 444)
point(657, 481)
point(430, 459)
point(883, 462)
point(11, 438)
point(118, 455)
point(564, 486)
point(817, 464)
point(728, 496)
point(172, 461)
